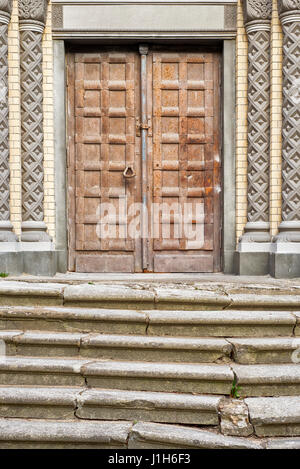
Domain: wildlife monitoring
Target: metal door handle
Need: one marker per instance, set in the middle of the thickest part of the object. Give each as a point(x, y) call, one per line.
point(129, 172)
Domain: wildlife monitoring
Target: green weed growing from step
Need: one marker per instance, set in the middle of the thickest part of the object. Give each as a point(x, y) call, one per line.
point(3, 275)
point(235, 390)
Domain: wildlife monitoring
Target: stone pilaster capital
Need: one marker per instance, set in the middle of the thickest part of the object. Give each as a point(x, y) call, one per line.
point(33, 13)
point(257, 14)
point(289, 10)
point(5, 11)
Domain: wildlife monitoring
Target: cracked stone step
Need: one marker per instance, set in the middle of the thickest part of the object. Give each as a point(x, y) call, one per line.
point(101, 404)
point(221, 323)
point(148, 406)
point(264, 302)
point(268, 380)
point(104, 346)
point(266, 350)
point(275, 416)
point(140, 376)
point(43, 434)
point(23, 293)
point(114, 296)
point(159, 436)
point(33, 402)
point(166, 377)
point(73, 320)
point(155, 322)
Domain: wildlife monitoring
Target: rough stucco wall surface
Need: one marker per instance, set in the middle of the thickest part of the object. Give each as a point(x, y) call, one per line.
point(15, 123)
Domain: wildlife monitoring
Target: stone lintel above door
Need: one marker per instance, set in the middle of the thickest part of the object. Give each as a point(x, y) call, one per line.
point(152, 18)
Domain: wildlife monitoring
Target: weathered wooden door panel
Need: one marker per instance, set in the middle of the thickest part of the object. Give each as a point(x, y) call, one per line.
point(186, 161)
point(106, 101)
point(182, 161)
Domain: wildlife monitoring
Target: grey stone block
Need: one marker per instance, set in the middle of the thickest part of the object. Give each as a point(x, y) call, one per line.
point(11, 263)
point(40, 263)
point(235, 418)
point(252, 263)
point(285, 265)
point(62, 261)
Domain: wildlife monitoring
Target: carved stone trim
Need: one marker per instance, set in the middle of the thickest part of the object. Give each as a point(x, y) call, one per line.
point(257, 10)
point(33, 226)
point(287, 6)
point(6, 234)
point(289, 229)
point(230, 17)
point(33, 10)
point(57, 17)
point(257, 228)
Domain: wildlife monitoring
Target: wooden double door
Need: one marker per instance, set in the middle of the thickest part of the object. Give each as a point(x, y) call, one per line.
point(144, 160)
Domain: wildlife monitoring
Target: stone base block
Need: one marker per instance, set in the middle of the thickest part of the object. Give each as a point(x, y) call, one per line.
point(252, 263)
point(62, 261)
point(285, 265)
point(41, 263)
point(11, 263)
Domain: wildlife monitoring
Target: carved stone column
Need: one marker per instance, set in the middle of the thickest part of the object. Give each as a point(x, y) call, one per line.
point(285, 260)
point(254, 245)
point(32, 15)
point(7, 237)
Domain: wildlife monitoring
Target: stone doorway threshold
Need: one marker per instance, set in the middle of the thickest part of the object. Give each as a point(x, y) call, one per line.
point(178, 279)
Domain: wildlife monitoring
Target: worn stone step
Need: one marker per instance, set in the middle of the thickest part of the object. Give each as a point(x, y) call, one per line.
point(159, 436)
point(73, 320)
point(140, 376)
point(39, 402)
point(43, 434)
point(143, 296)
point(104, 346)
point(268, 380)
point(166, 377)
point(23, 293)
point(229, 323)
point(102, 404)
point(41, 371)
point(275, 416)
point(266, 350)
point(148, 406)
point(137, 297)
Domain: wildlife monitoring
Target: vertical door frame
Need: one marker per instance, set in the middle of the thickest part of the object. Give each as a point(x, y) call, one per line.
point(227, 116)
